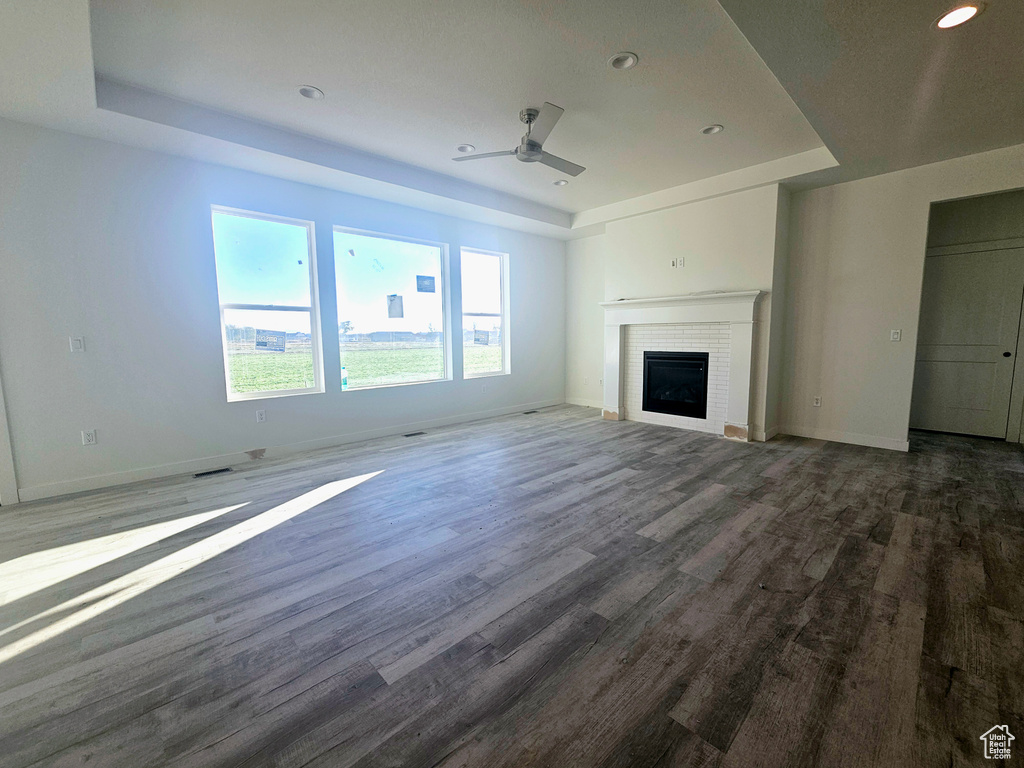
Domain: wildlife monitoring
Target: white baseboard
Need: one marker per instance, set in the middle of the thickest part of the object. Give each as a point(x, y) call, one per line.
point(763, 436)
point(584, 402)
point(95, 482)
point(853, 438)
point(370, 434)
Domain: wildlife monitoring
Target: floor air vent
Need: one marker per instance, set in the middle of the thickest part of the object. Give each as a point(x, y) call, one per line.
point(414, 434)
point(220, 471)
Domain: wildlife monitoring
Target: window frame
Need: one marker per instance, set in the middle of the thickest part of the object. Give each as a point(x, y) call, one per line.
point(446, 309)
point(313, 308)
point(506, 345)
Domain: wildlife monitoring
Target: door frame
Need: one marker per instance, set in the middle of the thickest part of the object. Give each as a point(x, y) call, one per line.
point(8, 479)
point(1015, 416)
point(1015, 419)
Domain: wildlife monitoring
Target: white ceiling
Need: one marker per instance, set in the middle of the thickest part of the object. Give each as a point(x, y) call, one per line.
point(408, 80)
point(884, 87)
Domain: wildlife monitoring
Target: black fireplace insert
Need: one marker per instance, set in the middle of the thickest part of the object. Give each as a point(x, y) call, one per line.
point(676, 383)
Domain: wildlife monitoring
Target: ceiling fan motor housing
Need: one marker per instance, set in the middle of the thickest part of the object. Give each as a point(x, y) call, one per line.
point(529, 151)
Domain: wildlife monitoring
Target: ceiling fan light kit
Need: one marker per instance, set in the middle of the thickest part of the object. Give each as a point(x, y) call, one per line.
point(539, 123)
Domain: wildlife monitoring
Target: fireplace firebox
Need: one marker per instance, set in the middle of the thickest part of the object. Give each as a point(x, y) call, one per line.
point(676, 383)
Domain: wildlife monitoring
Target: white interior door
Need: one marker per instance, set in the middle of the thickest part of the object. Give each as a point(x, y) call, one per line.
point(967, 342)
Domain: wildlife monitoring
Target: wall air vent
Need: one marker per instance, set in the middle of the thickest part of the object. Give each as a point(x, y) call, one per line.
point(209, 472)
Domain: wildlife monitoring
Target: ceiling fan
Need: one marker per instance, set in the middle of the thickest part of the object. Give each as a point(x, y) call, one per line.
point(539, 123)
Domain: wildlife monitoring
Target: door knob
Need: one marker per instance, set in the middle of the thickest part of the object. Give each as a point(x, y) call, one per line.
point(1006, 354)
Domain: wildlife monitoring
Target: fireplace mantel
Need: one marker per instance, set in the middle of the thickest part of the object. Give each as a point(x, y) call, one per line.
point(736, 308)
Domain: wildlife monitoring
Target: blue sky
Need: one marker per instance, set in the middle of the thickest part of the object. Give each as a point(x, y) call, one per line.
point(261, 262)
point(267, 262)
point(369, 269)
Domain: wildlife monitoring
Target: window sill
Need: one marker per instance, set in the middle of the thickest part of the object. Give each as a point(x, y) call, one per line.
point(396, 384)
point(242, 398)
point(486, 375)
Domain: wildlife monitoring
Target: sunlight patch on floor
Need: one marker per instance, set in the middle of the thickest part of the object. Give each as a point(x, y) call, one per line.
point(31, 573)
point(120, 590)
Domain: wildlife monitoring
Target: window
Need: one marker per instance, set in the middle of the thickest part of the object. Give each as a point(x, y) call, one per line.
point(391, 309)
point(266, 279)
point(484, 313)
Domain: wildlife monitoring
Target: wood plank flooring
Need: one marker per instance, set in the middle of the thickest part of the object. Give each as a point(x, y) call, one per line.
point(545, 589)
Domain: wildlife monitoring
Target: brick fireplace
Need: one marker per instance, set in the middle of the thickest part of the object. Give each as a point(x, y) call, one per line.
point(719, 324)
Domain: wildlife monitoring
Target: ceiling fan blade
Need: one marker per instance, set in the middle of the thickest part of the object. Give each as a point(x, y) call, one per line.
point(545, 121)
point(553, 161)
point(486, 154)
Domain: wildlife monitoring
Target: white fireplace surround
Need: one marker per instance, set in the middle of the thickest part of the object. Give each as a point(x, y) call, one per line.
point(736, 308)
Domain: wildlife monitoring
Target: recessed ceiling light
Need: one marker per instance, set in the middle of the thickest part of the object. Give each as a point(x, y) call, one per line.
point(710, 130)
point(560, 183)
point(311, 92)
point(959, 15)
point(465, 148)
point(624, 60)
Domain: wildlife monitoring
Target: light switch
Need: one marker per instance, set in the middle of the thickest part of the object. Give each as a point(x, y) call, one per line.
point(895, 335)
point(77, 343)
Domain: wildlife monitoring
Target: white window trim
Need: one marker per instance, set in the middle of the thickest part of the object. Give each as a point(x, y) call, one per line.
point(506, 326)
point(313, 309)
point(446, 309)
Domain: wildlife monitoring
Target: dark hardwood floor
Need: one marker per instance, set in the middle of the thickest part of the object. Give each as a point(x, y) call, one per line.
point(537, 590)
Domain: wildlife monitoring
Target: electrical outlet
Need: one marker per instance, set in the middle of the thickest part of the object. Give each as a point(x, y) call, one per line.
point(88, 437)
point(817, 401)
point(483, 388)
point(678, 263)
point(261, 416)
point(586, 380)
point(895, 335)
point(77, 343)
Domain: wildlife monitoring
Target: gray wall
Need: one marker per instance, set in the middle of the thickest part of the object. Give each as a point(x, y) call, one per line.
point(856, 262)
point(977, 219)
point(114, 244)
